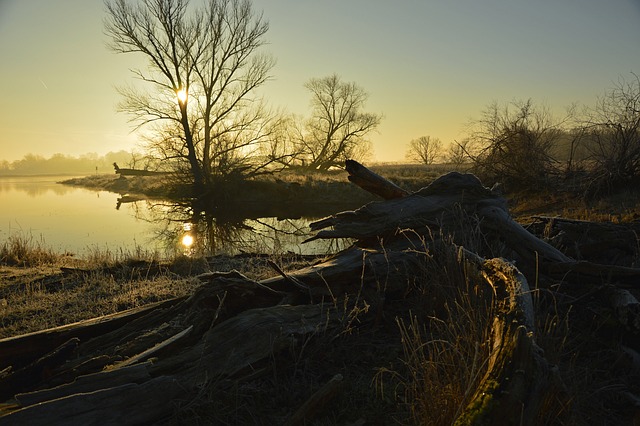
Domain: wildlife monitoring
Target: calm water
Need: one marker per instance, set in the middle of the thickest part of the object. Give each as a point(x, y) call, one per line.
point(78, 220)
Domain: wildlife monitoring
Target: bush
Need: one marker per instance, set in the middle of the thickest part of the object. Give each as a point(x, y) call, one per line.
point(513, 145)
point(613, 132)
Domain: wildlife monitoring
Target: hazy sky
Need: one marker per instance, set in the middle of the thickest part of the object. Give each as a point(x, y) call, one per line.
point(429, 66)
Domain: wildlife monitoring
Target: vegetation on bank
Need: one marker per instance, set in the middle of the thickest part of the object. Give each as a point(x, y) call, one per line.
point(207, 141)
point(415, 362)
point(294, 189)
point(61, 164)
point(40, 288)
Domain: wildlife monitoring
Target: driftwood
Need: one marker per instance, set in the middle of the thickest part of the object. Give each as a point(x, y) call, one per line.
point(372, 182)
point(137, 366)
point(136, 172)
point(604, 242)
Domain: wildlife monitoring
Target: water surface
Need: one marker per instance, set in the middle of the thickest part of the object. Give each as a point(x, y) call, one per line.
point(79, 220)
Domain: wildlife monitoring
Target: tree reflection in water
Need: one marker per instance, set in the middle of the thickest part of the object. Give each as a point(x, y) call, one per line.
point(183, 228)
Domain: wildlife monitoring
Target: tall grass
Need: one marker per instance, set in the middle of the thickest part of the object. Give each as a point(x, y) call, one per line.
point(23, 250)
point(444, 339)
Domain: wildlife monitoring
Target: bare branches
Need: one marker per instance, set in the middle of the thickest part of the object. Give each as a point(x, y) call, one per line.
point(337, 126)
point(424, 150)
point(613, 131)
point(209, 54)
point(513, 144)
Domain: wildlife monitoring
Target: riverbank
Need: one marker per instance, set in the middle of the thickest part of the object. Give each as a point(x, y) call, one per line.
point(41, 289)
point(377, 357)
point(410, 339)
point(292, 195)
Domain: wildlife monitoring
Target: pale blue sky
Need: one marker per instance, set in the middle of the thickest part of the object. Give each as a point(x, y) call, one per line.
point(429, 66)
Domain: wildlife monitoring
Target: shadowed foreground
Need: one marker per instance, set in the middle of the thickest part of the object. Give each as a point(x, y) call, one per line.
point(540, 324)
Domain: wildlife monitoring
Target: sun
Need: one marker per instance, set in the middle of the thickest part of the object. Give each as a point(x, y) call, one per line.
point(182, 95)
point(187, 240)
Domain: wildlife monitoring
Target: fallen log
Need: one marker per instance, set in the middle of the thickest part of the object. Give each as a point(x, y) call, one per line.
point(138, 367)
point(518, 375)
point(136, 172)
point(88, 383)
point(373, 182)
point(127, 404)
point(228, 349)
point(456, 205)
point(602, 242)
point(20, 350)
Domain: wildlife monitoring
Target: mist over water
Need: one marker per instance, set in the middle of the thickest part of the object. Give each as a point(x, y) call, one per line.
point(80, 221)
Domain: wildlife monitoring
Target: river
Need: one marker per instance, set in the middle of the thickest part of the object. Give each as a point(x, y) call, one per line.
point(83, 221)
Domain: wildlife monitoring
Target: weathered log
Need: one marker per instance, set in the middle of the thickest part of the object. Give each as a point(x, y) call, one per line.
point(37, 371)
point(155, 349)
point(229, 348)
point(517, 375)
point(128, 404)
point(18, 351)
point(373, 182)
point(594, 273)
point(600, 242)
point(375, 270)
point(89, 383)
point(231, 326)
point(442, 207)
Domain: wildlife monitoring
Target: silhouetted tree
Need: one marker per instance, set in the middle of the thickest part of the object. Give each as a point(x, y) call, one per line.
point(512, 144)
point(612, 131)
point(424, 150)
point(458, 153)
point(203, 71)
point(337, 126)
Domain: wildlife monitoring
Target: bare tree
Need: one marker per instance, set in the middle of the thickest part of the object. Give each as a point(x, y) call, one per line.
point(337, 127)
point(424, 150)
point(283, 148)
point(203, 69)
point(458, 153)
point(512, 144)
point(613, 137)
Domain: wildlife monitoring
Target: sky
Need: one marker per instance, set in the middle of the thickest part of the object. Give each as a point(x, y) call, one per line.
point(430, 66)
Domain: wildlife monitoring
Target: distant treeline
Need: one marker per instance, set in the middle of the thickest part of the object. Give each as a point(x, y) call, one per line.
point(86, 164)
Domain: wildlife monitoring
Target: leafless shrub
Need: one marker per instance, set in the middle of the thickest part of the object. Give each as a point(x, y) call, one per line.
point(613, 132)
point(513, 144)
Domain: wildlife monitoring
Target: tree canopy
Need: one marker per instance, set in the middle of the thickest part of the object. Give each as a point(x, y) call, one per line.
point(424, 150)
point(203, 68)
point(338, 125)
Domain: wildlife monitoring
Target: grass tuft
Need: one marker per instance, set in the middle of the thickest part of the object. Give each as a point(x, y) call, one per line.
point(23, 250)
point(445, 342)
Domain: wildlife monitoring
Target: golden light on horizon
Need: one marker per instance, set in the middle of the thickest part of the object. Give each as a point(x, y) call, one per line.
point(182, 95)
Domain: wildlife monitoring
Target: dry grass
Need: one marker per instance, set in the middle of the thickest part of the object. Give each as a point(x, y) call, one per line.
point(23, 251)
point(443, 332)
point(418, 365)
point(35, 293)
